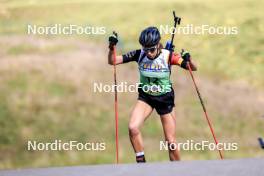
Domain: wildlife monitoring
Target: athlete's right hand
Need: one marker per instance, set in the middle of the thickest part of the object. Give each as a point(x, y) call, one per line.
point(113, 40)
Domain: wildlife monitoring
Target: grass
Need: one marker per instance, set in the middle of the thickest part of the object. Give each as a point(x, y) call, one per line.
point(40, 105)
point(31, 49)
point(239, 57)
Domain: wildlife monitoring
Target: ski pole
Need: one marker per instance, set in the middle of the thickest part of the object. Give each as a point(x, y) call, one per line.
point(177, 20)
point(116, 104)
point(204, 109)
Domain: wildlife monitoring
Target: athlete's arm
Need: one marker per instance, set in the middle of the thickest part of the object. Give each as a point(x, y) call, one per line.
point(128, 57)
point(131, 56)
point(182, 60)
point(119, 59)
point(112, 44)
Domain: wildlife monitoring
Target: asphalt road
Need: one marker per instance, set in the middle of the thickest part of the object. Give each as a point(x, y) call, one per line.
point(241, 167)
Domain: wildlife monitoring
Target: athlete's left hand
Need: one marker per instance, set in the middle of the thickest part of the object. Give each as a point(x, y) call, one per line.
point(186, 55)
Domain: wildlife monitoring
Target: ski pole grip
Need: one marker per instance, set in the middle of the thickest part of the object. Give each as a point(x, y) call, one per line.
point(115, 34)
point(177, 20)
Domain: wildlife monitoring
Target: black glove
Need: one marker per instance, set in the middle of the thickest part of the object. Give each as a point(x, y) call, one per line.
point(186, 56)
point(113, 40)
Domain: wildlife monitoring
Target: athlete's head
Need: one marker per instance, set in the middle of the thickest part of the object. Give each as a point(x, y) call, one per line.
point(149, 39)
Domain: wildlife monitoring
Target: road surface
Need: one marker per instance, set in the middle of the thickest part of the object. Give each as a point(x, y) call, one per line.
point(241, 167)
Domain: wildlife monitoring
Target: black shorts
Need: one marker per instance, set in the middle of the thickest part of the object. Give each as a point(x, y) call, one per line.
point(162, 103)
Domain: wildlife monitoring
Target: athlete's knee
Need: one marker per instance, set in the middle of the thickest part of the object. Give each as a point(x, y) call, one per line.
point(133, 129)
point(171, 140)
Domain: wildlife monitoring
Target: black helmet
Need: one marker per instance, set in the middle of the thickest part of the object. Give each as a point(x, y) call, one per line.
point(149, 37)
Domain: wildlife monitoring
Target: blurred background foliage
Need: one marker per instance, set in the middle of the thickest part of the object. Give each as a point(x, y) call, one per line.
point(46, 82)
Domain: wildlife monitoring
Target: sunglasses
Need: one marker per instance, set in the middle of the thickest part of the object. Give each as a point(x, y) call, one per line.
point(151, 49)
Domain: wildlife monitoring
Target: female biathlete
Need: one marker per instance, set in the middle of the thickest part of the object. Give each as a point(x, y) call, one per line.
point(155, 90)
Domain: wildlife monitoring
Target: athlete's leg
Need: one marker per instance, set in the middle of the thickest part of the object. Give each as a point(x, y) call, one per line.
point(139, 114)
point(169, 127)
